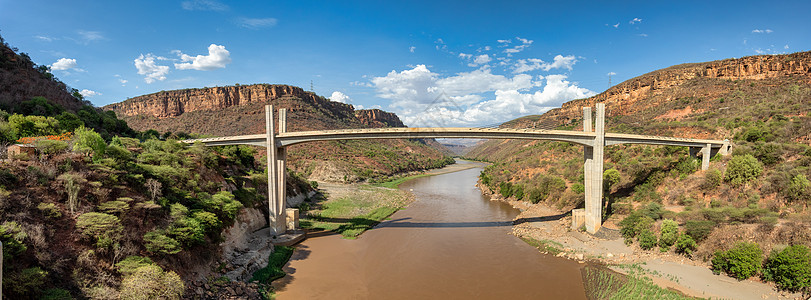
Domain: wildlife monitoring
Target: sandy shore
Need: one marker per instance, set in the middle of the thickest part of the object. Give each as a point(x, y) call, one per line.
point(668, 269)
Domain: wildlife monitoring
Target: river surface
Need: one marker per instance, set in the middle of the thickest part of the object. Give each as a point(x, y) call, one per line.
point(451, 243)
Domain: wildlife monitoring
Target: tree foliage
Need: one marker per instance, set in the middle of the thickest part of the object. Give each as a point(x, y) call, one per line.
point(743, 169)
point(741, 262)
point(790, 268)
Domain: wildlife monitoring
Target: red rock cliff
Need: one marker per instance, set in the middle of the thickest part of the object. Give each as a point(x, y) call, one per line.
point(378, 118)
point(167, 104)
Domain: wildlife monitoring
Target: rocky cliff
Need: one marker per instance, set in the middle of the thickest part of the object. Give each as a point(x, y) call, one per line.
point(624, 98)
point(378, 118)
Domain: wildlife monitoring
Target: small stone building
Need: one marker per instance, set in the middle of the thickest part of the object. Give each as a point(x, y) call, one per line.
point(17, 149)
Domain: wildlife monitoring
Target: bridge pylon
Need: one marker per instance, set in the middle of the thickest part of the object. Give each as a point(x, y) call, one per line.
point(277, 174)
point(593, 168)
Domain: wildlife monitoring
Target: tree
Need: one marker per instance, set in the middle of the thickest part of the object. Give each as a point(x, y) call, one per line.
point(743, 169)
point(88, 141)
point(152, 282)
point(72, 183)
point(669, 234)
point(610, 178)
point(790, 268)
point(154, 188)
point(741, 262)
point(798, 188)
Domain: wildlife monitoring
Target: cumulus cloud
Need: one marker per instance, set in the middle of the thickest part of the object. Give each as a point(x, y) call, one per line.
point(217, 58)
point(611, 74)
point(465, 56)
point(411, 49)
point(482, 59)
point(634, 21)
point(518, 48)
point(257, 23)
point(147, 66)
point(425, 98)
point(64, 64)
point(88, 93)
point(339, 97)
point(203, 5)
point(531, 64)
point(762, 31)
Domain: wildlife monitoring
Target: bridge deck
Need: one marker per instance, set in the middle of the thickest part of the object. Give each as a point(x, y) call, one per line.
point(578, 137)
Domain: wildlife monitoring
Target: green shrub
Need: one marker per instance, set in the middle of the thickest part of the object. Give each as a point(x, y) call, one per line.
point(26, 282)
point(118, 153)
point(653, 210)
point(156, 241)
point(505, 189)
point(188, 231)
point(698, 229)
point(610, 178)
point(518, 191)
point(178, 211)
point(222, 204)
point(105, 229)
point(712, 179)
point(49, 147)
point(128, 265)
point(743, 169)
point(151, 282)
point(685, 245)
point(12, 236)
point(114, 207)
point(798, 189)
point(578, 188)
point(534, 196)
point(741, 262)
point(55, 294)
point(88, 141)
point(669, 233)
point(647, 240)
point(49, 210)
point(208, 220)
point(790, 268)
point(633, 224)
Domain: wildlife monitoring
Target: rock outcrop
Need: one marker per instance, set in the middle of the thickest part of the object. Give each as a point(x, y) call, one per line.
point(167, 104)
point(378, 118)
point(620, 98)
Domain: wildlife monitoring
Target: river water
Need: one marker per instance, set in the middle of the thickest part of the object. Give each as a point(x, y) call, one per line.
point(451, 243)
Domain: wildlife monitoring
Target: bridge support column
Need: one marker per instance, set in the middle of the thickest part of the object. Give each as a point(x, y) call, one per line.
point(706, 154)
point(593, 171)
point(588, 161)
point(275, 215)
point(281, 161)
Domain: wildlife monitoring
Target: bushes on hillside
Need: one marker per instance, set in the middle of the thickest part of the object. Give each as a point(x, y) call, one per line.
point(105, 229)
point(743, 169)
point(634, 224)
point(158, 242)
point(685, 245)
point(647, 240)
point(712, 179)
point(741, 262)
point(151, 282)
point(12, 236)
point(790, 268)
point(669, 233)
point(698, 229)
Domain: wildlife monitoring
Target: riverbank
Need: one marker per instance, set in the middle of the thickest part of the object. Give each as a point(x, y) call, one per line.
point(693, 278)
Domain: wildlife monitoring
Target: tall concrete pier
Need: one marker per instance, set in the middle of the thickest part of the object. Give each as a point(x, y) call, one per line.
point(593, 167)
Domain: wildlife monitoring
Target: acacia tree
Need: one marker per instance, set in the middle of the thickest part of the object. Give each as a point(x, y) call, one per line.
point(88, 141)
point(154, 188)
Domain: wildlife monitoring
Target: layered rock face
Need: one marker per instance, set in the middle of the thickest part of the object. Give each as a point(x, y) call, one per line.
point(378, 118)
point(622, 98)
point(167, 104)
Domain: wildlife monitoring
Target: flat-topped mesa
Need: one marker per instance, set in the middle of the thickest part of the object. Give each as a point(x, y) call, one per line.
point(377, 118)
point(167, 104)
point(619, 97)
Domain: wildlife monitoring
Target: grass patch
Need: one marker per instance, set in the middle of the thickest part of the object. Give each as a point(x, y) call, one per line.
point(393, 184)
point(546, 246)
point(356, 211)
point(274, 270)
point(602, 283)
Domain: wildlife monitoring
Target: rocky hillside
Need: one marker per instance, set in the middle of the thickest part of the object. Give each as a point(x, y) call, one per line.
point(22, 79)
point(239, 110)
point(759, 193)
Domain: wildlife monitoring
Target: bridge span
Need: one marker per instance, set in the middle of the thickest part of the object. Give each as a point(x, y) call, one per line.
point(592, 138)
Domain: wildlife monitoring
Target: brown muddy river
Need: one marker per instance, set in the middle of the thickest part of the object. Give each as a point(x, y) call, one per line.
point(452, 243)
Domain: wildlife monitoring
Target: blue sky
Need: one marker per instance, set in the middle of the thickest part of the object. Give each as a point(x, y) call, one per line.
point(432, 62)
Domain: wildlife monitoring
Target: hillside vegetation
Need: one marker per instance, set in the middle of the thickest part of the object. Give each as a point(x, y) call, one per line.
point(761, 192)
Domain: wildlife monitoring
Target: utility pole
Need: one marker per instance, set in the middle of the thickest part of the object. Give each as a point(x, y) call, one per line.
point(311, 85)
point(1, 270)
point(609, 80)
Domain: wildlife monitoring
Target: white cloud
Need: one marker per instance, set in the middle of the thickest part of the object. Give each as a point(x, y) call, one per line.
point(425, 98)
point(146, 66)
point(123, 81)
point(203, 5)
point(525, 41)
point(89, 36)
point(616, 25)
point(217, 58)
point(89, 93)
point(340, 97)
point(482, 59)
point(785, 47)
point(64, 64)
point(611, 74)
point(505, 41)
point(634, 21)
point(465, 56)
point(531, 64)
point(762, 31)
point(411, 49)
point(44, 38)
point(643, 34)
point(257, 23)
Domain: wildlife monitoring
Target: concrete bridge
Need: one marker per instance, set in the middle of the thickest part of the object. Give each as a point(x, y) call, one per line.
point(593, 138)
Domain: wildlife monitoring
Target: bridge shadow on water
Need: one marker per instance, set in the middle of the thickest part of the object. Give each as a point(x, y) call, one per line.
point(404, 223)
